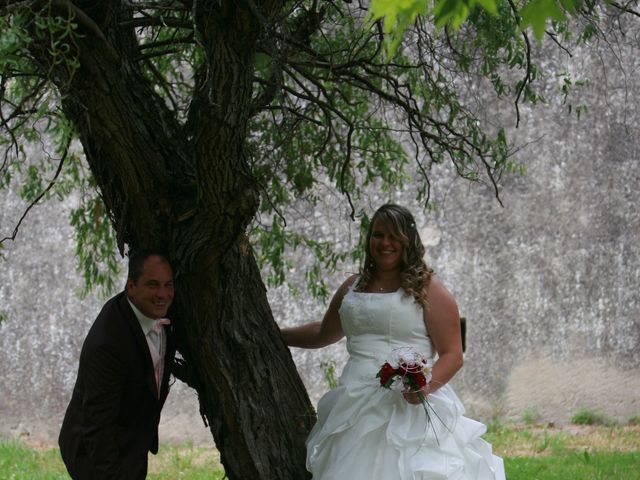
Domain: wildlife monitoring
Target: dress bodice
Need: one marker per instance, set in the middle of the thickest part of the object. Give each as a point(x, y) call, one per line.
point(375, 324)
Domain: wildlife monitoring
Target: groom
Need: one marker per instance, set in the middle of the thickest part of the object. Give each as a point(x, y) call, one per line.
point(123, 378)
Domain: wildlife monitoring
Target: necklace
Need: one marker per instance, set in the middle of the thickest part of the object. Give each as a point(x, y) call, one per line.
point(387, 285)
point(385, 289)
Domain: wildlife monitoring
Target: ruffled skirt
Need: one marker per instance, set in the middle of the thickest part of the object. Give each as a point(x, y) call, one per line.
point(365, 432)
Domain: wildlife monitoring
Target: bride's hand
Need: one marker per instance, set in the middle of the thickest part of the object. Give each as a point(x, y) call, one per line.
point(416, 398)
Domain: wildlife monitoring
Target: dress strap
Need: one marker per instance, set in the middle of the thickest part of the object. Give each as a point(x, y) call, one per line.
point(354, 283)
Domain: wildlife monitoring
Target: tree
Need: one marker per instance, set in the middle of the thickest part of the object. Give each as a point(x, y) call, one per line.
point(199, 123)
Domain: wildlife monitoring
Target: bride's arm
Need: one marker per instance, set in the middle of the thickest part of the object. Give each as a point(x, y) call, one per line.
point(443, 324)
point(319, 334)
point(442, 320)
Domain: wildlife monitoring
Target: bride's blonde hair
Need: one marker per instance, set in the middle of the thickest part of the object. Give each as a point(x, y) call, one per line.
point(414, 272)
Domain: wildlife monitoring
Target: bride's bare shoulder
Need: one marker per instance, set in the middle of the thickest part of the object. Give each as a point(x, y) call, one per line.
point(348, 284)
point(438, 296)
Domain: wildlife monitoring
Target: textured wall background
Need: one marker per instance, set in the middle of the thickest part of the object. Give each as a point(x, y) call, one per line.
point(549, 283)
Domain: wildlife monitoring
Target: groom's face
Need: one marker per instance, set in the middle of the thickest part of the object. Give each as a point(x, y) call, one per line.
point(152, 293)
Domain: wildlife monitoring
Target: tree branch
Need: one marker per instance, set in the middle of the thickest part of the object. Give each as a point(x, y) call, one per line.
point(157, 22)
point(164, 84)
point(168, 6)
point(358, 73)
point(527, 77)
point(42, 194)
point(274, 84)
point(33, 96)
point(174, 41)
point(343, 172)
point(87, 22)
point(555, 40)
point(625, 9)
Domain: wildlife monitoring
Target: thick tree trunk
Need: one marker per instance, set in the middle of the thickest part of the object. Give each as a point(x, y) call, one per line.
point(193, 195)
point(250, 391)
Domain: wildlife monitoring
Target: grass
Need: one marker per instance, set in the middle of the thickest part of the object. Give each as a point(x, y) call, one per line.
point(530, 452)
point(589, 417)
point(22, 462)
point(575, 452)
point(576, 466)
point(19, 462)
point(185, 461)
point(530, 417)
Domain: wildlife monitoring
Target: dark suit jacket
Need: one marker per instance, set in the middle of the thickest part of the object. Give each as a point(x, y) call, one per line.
point(112, 420)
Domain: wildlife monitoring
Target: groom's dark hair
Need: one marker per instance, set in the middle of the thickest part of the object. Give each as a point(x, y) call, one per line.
point(137, 259)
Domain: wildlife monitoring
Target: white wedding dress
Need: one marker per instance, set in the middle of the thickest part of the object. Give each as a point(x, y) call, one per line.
point(366, 432)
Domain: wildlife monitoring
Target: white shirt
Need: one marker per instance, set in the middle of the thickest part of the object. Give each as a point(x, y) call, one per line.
point(146, 323)
point(155, 343)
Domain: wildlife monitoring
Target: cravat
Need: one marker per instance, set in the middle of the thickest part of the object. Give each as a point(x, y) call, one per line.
point(157, 345)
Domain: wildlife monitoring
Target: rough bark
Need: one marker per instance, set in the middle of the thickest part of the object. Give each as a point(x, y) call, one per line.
point(191, 192)
point(249, 388)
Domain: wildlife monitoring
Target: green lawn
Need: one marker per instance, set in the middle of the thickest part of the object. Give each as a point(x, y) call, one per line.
point(529, 452)
point(576, 466)
point(21, 462)
point(571, 453)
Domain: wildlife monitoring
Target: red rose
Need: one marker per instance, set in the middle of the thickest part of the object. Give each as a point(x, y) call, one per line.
point(386, 374)
point(419, 380)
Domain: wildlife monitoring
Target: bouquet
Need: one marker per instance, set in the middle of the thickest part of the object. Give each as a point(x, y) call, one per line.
point(409, 370)
point(408, 366)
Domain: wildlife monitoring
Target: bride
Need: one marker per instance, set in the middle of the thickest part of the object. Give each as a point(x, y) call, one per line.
point(365, 432)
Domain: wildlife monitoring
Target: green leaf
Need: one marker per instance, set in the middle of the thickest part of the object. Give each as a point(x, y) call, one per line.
point(399, 15)
point(569, 5)
point(536, 13)
point(490, 6)
point(454, 12)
